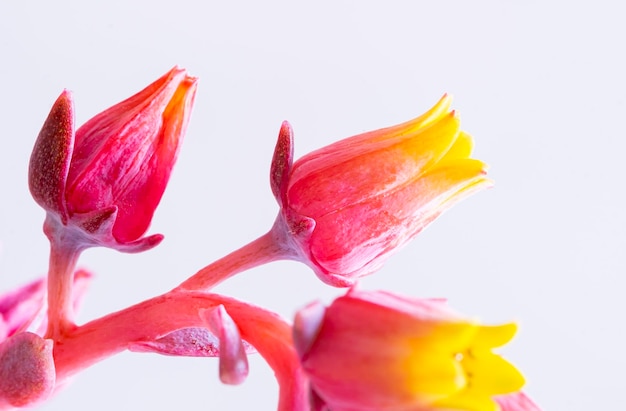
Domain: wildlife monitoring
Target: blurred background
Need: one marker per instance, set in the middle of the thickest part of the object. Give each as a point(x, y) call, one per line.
point(540, 85)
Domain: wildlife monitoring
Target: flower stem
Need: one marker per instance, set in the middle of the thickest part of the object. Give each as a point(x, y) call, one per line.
point(271, 246)
point(267, 332)
point(63, 258)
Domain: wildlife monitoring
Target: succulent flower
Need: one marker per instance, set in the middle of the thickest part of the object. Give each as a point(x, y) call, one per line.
point(348, 206)
point(379, 351)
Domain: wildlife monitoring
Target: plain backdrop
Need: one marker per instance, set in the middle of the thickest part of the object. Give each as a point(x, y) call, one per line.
point(539, 84)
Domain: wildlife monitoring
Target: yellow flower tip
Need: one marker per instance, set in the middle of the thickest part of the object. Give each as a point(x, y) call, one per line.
point(436, 112)
point(487, 374)
point(461, 147)
point(491, 336)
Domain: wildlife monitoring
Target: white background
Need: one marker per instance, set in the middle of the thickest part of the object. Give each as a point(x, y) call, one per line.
point(539, 84)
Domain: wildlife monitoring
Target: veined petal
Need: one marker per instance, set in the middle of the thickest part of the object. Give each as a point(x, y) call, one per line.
point(366, 143)
point(320, 187)
point(145, 190)
point(126, 126)
point(441, 108)
point(386, 223)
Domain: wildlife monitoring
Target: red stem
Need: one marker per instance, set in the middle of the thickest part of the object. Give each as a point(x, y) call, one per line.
point(148, 320)
point(272, 246)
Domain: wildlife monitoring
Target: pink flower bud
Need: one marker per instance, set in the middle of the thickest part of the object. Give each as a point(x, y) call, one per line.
point(348, 206)
point(27, 373)
point(106, 179)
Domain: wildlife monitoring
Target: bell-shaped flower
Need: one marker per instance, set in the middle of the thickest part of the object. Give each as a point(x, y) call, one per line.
point(376, 351)
point(346, 207)
point(105, 180)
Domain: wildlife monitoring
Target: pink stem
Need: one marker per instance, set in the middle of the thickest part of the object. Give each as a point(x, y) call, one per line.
point(272, 246)
point(148, 320)
point(63, 259)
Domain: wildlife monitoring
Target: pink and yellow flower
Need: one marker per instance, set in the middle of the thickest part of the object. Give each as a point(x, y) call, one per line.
point(348, 206)
point(379, 351)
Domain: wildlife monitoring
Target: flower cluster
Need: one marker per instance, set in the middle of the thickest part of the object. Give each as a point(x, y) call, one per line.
point(344, 209)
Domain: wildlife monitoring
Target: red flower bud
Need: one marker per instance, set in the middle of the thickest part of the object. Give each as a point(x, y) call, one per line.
point(107, 178)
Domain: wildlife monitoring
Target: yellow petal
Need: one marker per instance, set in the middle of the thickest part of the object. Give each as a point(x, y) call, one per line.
point(466, 401)
point(448, 337)
point(431, 143)
point(489, 374)
point(441, 108)
point(451, 182)
point(493, 336)
point(461, 148)
point(435, 375)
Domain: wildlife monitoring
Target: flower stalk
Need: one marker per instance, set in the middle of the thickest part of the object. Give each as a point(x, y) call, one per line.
point(60, 313)
point(267, 332)
point(271, 246)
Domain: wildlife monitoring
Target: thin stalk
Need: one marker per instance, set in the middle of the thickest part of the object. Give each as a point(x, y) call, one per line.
point(63, 259)
point(271, 246)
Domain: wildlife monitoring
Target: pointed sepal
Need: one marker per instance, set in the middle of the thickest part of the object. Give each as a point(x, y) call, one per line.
point(282, 162)
point(50, 159)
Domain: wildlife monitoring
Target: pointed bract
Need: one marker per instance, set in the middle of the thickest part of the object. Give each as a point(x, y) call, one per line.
point(50, 159)
point(282, 162)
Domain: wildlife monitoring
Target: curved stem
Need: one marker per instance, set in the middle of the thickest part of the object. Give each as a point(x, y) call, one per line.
point(272, 246)
point(153, 318)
